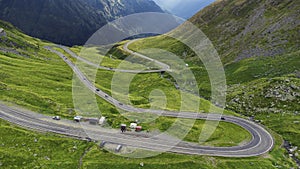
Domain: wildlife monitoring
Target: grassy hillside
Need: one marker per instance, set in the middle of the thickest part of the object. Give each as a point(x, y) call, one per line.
point(20, 148)
point(258, 42)
point(27, 70)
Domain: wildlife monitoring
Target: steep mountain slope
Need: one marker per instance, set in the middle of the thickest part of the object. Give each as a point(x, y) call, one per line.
point(68, 22)
point(241, 29)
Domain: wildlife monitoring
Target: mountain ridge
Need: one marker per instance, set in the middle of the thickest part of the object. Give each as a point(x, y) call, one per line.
point(68, 22)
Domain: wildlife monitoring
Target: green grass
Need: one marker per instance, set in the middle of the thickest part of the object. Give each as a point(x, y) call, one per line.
point(41, 84)
point(20, 148)
point(262, 67)
point(226, 131)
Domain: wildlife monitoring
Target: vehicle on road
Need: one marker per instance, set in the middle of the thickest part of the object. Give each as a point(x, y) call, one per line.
point(118, 149)
point(77, 118)
point(102, 144)
point(123, 127)
point(56, 118)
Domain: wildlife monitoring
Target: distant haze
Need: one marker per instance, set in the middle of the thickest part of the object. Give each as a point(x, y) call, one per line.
point(183, 8)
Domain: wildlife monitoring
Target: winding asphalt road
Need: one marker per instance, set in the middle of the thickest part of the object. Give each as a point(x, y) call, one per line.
point(261, 143)
point(164, 67)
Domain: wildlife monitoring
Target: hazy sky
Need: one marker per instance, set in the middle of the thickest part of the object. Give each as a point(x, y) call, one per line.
point(183, 8)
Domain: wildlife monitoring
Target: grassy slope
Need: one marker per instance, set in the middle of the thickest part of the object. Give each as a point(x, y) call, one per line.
point(29, 70)
point(20, 148)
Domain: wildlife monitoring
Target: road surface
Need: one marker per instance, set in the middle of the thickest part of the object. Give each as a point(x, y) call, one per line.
point(261, 141)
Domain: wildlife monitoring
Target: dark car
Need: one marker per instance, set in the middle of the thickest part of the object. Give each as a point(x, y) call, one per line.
point(56, 118)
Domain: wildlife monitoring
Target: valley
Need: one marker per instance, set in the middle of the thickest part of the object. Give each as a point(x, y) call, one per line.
point(258, 44)
point(89, 157)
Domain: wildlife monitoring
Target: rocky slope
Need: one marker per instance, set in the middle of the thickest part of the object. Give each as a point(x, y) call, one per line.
point(113, 9)
point(68, 22)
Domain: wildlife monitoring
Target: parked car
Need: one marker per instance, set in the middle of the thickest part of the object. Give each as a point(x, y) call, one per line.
point(77, 118)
